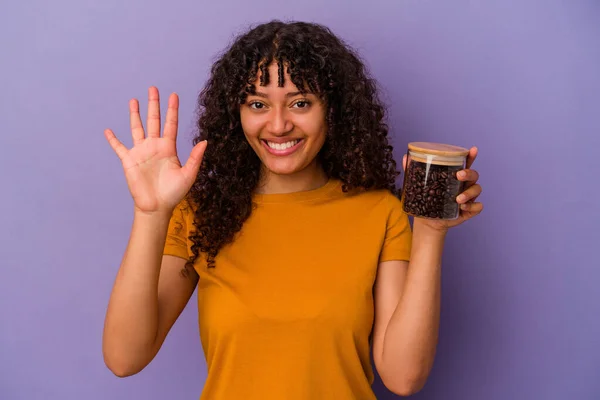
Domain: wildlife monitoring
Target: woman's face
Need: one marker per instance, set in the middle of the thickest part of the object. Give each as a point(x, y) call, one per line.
point(285, 128)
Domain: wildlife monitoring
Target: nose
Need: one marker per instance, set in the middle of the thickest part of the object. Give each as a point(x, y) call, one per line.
point(280, 124)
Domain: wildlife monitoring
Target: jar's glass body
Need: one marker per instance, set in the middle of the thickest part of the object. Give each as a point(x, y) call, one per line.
point(431, 186)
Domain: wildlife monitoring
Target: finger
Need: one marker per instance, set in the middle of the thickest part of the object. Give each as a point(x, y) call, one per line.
point(137, 129)
point(190, 169)
point(471, 209)
point(469, 195)
point(467, 175)
point(153, 123)
point(172, 118)
point(116, 145)
point(471, 157)
point(404, 162)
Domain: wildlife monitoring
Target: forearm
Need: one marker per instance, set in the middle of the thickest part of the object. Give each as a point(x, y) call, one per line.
point(132, 316)
point(412, 333)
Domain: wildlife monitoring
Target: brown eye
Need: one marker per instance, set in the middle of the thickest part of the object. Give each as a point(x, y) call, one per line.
point(302, 104)
point(256, 105)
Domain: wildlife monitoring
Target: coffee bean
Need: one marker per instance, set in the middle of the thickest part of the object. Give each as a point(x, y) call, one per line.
point(431, 192)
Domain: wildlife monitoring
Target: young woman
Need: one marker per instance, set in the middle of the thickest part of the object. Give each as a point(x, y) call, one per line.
point(287, 219)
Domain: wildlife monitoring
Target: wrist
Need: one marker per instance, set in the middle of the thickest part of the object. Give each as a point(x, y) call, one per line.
point(425, 228)
point(158, 215)
point(427, 245)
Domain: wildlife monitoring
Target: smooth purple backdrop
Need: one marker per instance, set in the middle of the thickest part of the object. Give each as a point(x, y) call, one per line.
point(519, 79)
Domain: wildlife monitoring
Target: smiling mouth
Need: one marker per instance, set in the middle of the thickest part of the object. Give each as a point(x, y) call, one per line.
point(282, 149)
point(282, 146)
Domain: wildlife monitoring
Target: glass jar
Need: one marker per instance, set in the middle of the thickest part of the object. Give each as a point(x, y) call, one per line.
point(430, 184)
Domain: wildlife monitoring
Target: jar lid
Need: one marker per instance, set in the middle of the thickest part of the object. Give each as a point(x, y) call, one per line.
point(438, 149)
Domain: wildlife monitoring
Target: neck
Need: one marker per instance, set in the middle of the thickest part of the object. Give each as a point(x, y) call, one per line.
point(310, 178)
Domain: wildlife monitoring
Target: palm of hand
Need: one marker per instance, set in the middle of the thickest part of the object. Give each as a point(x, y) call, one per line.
point(154, 174)
point(156, 179)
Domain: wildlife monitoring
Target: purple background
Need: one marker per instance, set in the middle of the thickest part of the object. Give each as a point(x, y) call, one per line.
point(520, 79)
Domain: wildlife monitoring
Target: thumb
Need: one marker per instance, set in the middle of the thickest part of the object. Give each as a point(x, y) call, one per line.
point(192, 165)
point(404, 163)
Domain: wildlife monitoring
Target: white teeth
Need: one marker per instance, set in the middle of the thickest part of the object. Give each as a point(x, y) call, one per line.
point(282, 146)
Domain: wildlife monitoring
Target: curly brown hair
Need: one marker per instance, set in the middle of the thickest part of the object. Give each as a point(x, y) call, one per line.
point(356, 150)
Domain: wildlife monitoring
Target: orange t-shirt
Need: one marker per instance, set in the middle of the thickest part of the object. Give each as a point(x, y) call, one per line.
point(287, 312)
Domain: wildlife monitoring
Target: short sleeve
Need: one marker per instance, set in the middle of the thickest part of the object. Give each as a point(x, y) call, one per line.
point(176, 243)
point(398, 236)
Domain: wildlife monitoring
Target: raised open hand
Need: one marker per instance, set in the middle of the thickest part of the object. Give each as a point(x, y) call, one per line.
point(156, 179)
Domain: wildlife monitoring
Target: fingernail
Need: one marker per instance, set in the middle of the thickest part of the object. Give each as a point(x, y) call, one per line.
point(462, 174)
point(464, 206)
point(460, 198)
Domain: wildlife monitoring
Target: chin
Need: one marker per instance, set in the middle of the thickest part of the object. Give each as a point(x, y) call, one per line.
point(281, 167)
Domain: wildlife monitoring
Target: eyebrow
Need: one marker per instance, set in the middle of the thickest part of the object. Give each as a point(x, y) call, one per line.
point(265, 96)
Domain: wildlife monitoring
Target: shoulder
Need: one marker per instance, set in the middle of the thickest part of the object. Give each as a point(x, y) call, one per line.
point(185, 206)
point(381, 199)
point(183, 213)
